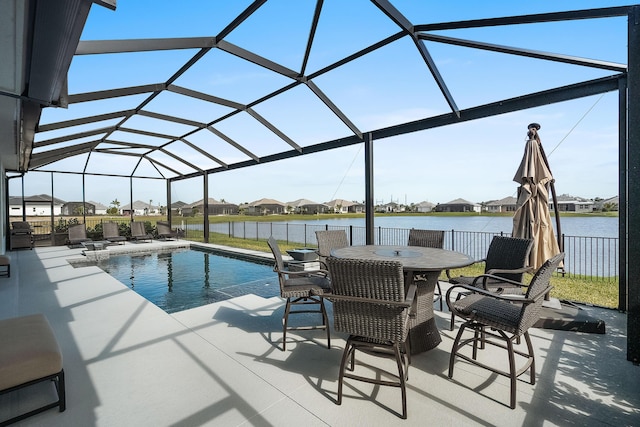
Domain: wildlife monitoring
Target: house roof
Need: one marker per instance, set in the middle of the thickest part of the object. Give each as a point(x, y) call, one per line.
point(342, 202)
point(98, 205)
point(139, 205)
point(265, 202)
point(459, 202)
point(509, 200)
point(302, 202)
point(39, 198)
point(211, 202)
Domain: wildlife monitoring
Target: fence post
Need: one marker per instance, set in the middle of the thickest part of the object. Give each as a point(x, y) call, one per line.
point(453, 240)
point(351, 235)
point(287, 231)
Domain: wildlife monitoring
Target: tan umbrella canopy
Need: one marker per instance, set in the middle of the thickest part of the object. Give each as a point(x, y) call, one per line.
point(532, 219)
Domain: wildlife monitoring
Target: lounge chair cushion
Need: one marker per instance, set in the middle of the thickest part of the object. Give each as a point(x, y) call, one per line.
point(29, 350)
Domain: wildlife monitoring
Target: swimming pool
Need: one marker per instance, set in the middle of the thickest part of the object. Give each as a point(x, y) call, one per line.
point(187, 278)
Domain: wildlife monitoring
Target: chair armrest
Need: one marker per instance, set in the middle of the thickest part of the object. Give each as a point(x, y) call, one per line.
point(514, 271)
point(507, 298)
point(448, 271)
point(405, 304)
point(484, 277)
point(318, 272)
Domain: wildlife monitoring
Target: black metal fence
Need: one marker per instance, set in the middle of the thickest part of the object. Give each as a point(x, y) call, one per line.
point(593, 258)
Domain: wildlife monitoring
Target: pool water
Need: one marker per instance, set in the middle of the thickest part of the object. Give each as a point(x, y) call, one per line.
point(183, 279)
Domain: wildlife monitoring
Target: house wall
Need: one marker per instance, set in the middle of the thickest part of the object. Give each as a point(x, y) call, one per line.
point(35, 209)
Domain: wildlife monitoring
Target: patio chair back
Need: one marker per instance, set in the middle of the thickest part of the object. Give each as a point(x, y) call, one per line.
point(508, 253)
point(426, 238)
point(328, 240)
point(371, 284)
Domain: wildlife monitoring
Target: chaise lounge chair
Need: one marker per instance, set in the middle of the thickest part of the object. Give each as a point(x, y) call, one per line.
point(138, 232)
point(21, 235)
point(165, 232)
point(78, 235)
point(111, 233)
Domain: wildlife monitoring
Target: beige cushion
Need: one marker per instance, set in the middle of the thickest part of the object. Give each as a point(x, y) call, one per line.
point(29, 350)
point(4, 260)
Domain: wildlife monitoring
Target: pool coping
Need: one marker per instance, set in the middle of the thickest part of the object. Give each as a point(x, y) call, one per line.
point(86, 258)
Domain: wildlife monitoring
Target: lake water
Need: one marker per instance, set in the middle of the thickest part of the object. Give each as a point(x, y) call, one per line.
point(596, 226)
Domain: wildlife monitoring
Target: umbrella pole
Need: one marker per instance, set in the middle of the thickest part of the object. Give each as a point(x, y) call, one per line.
point(555, 200)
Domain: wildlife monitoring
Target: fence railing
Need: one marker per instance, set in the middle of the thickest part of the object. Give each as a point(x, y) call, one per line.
point(593, 258)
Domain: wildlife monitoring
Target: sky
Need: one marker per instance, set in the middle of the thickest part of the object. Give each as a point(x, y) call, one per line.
point(473, 160)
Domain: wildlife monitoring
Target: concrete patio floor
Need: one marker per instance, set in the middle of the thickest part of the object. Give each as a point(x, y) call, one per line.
point(128, 363)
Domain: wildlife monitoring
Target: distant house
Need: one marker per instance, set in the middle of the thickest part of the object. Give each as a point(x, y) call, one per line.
point(141, 208)
point(100, 209)
point(339, 205)
point(176, 207)
point(78, 208)
point(610, 204)
point(390, 207)
point(39, 205)
point(215, 208)
point(508, 204)
point(305, 206)
point(424, 207)
point(458, 205)
point(567, 203)
point(357, 208)
point(265, 207)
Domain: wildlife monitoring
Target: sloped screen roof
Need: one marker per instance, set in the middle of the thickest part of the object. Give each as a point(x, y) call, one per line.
point(238, 88)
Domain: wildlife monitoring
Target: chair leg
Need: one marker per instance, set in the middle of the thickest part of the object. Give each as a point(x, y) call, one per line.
point(325, 322)
point(454, 349)
point(401, 377)
point(285, 320)
point(452, 324)
point(343, 365)
point(512, 373)
point(532, 368)
point(439, 293)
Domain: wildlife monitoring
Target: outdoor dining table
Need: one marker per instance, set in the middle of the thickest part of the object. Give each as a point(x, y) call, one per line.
point(428, 262)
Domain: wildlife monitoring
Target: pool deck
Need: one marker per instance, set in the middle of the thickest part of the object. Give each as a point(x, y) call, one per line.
point(128, 363)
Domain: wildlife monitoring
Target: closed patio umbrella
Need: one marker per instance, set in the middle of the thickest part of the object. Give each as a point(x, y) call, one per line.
point(532, 219)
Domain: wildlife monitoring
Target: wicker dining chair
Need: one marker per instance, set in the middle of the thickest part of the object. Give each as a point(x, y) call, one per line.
point(328, 240)
point(301, 288)
point(507, 258)
point(428, 239)
point(500, 320)
point(370, 304)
